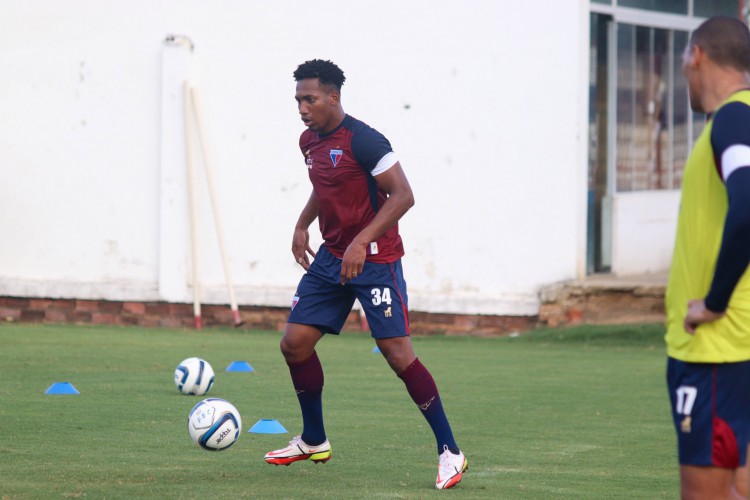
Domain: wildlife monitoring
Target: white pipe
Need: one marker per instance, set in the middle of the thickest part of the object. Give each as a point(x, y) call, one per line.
point(192, 208)
point(197, 108)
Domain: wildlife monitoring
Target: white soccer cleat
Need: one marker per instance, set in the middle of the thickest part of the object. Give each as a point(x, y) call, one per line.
point(451, 469)
point(299, 450)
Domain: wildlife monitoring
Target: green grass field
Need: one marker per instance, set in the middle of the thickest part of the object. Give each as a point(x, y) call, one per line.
point(576, 413)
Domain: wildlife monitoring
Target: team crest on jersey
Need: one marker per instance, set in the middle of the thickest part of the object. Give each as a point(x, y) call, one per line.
point(308, 159)
point(336, 155)
point(295, 301)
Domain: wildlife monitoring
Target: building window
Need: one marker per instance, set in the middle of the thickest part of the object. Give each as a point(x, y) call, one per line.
point(671, 6)
point(641, 127)
point(699, 8)
point(655, 126)
point(708, 8)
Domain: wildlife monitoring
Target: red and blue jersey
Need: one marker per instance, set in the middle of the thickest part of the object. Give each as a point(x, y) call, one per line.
point(342, 166)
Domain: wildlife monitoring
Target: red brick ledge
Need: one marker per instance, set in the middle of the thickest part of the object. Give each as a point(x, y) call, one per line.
point(607, 302)
point(163, 314)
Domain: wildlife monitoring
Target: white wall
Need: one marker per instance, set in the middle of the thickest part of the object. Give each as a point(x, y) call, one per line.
point(484, 101)
point(644, 224)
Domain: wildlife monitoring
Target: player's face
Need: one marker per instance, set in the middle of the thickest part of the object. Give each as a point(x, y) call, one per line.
point(317, 105)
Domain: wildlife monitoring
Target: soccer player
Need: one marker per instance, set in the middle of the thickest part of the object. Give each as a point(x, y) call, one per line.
point(359, 192)
point(708, 296)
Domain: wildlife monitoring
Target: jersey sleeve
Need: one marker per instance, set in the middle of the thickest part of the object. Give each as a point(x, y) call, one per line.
point(370, 147)
point(730, 140)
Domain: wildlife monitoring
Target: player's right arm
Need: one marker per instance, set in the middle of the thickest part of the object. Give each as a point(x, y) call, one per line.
point(301, 239)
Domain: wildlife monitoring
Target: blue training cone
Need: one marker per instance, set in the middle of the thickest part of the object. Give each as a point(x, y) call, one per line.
point(239, 366)
point(375, 349)
point(267, 426)
point(62, 388)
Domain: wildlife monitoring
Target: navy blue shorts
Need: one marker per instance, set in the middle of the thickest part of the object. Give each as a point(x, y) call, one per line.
point(323, 302)
point(711, 412)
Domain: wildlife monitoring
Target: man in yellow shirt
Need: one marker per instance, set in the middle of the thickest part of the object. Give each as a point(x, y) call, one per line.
point(708, 297)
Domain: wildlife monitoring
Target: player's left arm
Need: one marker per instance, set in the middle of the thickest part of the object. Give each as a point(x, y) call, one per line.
point(730, 139)
point(400, 199)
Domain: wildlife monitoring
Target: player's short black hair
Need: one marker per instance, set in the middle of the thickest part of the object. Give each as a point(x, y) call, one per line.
point(725, 40)
point(325, 71)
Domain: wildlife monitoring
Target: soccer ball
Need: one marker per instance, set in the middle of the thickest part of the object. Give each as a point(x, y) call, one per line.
point(214, 424)
point(194, 376)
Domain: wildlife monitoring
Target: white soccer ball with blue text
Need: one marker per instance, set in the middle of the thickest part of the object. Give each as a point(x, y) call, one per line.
point(194, 376)
point(214, 424)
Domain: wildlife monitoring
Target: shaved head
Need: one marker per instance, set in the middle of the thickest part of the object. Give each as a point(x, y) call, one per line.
point(725, 40)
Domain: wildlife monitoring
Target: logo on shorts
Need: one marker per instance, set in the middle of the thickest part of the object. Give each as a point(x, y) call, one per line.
point(336, 155)
point(388, 313)
point(686, 396)
point(685, 425)
point(295, 301)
